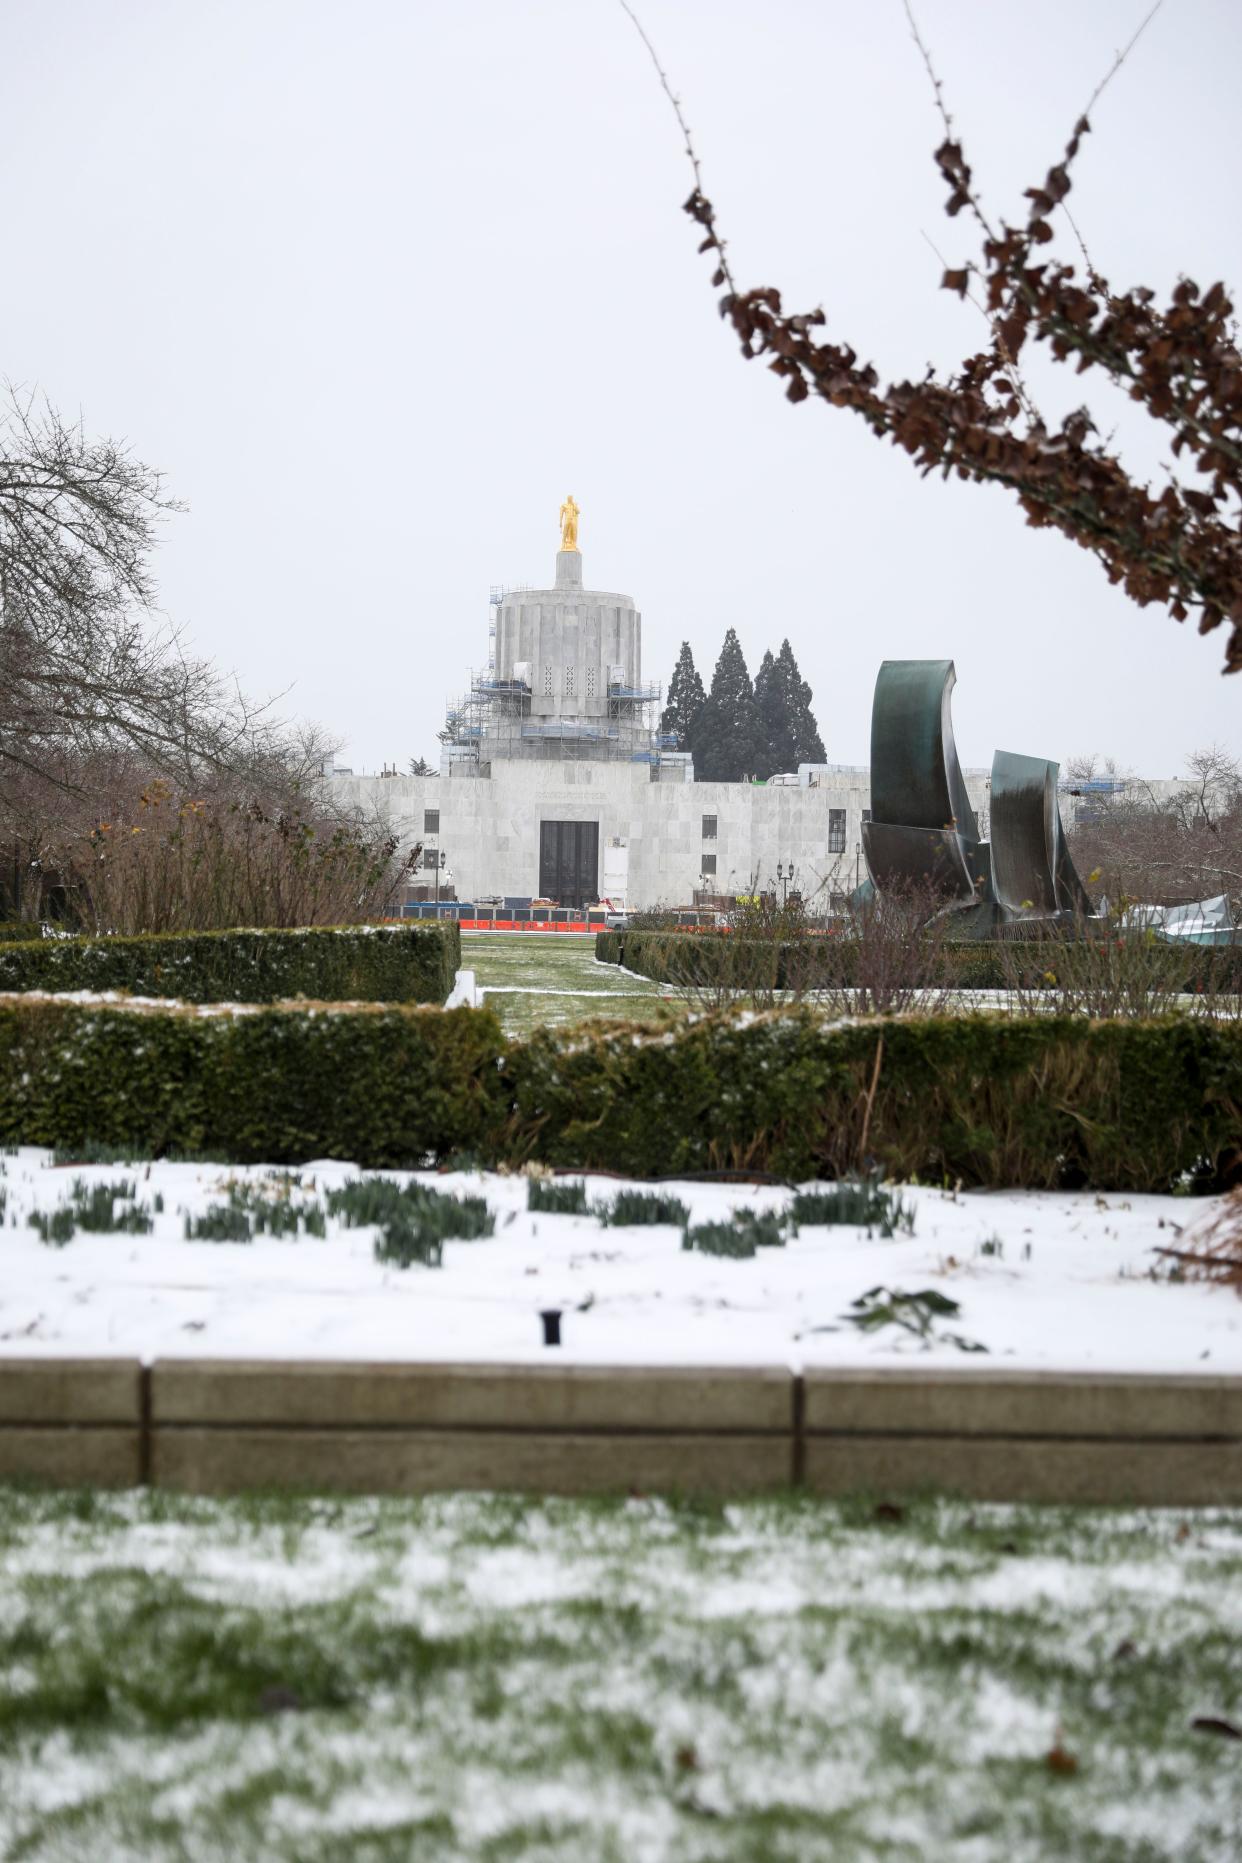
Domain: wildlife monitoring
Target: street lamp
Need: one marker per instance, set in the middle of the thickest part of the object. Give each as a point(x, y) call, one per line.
point(785, 876)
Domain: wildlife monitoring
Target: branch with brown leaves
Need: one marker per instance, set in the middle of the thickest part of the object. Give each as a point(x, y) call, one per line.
point(1180, 547)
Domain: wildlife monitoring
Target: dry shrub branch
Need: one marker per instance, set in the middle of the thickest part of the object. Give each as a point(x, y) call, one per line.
point(888, 956)
point(167, 861)
point(1105, 972)
point(897, 954)
point(1213, 1251)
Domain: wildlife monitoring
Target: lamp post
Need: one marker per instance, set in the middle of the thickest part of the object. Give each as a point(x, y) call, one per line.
point(785, 876)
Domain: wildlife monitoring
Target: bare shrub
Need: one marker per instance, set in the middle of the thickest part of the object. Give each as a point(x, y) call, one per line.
point(1110, 972)
point(765, 952)
point(165, 860)
point(777, 949)
point(732, 968)
point(893, 956)
point(1103, 976)
point(886, 957)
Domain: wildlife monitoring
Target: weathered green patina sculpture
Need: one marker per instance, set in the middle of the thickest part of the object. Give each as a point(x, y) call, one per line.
point(1033, 876)
point(923, 836)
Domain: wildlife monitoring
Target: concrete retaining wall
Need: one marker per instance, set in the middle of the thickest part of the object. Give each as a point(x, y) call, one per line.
point(412, 1428)
point(73, 1420)
point(222, 1426)
point(998, 1436)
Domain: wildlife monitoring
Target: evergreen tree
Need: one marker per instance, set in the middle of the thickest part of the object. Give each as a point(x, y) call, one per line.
point(729, 740)
point(805, 743)
point(783, 700)
point(773, 718)
point(686, 699)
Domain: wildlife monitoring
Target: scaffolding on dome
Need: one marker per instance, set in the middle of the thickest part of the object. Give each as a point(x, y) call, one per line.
point(496, 597)
point(492, 717)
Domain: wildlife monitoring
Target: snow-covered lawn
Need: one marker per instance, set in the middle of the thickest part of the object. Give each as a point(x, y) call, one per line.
point(476, 1678)
point(1062, 1281)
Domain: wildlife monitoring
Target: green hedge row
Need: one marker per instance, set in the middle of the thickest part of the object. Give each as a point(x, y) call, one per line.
point(349, 963)
point(13, 930)
point(1039, 1102)
point(706, 960)
point(698, 960)
point(386, 1085)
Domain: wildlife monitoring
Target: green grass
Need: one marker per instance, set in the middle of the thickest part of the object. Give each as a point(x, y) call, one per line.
point(486, 1678)
point(553, 979)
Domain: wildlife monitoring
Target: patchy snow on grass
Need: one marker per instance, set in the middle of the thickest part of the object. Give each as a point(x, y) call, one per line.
point(474, 1677)
point(535, 980)
point(1066, 1281)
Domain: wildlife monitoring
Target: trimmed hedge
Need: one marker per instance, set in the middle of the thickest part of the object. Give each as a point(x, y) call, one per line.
point(1041, 1102)
point(988, 1100)
point(698, 960)
point(383, 1086)
point(350, 963)
point(708, 960)
point(14, 931)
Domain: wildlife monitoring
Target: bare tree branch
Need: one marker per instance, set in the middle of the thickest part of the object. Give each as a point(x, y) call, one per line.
point(86, 665)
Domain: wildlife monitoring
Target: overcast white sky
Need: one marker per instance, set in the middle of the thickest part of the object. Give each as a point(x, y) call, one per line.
point(377, 283)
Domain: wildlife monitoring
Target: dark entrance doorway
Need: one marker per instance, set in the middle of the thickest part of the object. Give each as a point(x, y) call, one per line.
point(569, 862)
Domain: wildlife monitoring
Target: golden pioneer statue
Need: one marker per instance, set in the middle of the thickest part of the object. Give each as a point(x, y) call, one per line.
point(569, 524)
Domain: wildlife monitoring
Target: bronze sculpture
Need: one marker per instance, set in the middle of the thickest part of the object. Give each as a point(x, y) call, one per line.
point(923, 835)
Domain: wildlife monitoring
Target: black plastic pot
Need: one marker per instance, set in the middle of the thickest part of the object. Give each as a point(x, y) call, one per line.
point(551, 1317)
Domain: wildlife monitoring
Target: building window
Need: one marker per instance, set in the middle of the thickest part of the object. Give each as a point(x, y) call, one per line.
point(547, 681)
point(431, 821)
point(709, 863)
point(571, 676)
point(866, 815)
point(590, 682)
point(709, 827)
point(836, 831)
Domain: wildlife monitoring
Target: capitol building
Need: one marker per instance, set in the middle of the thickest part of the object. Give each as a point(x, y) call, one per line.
point(556, 784)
